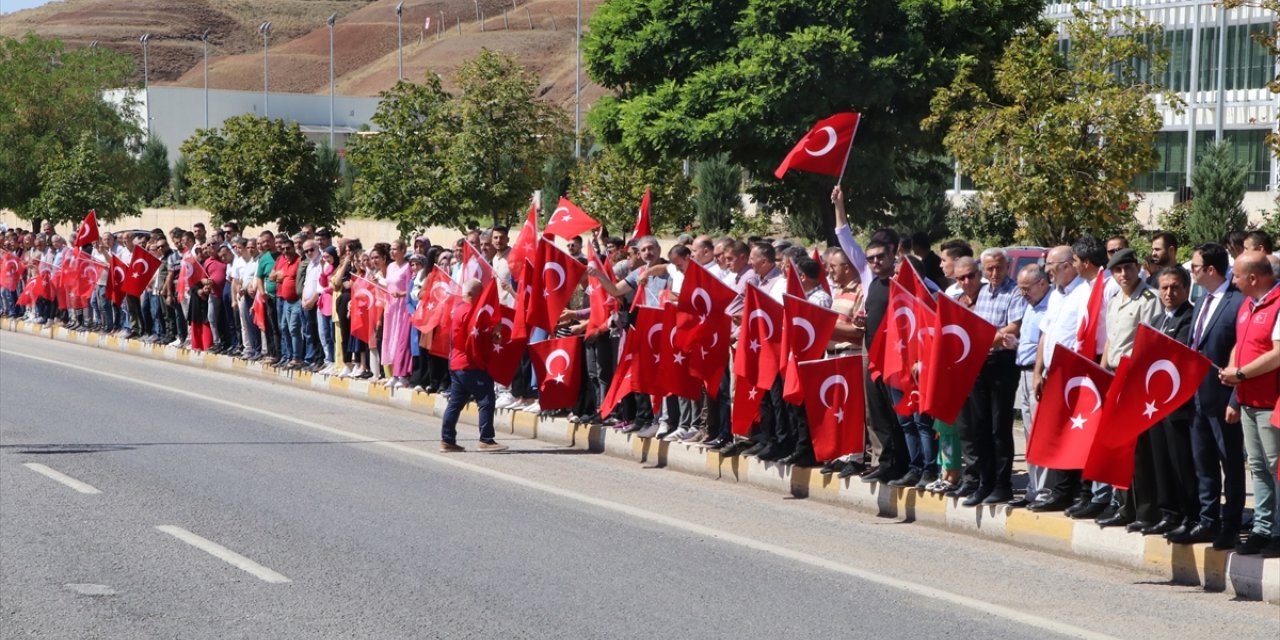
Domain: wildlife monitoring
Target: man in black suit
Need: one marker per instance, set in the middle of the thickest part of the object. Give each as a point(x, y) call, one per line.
point(1172, 469)
point(1216, 446)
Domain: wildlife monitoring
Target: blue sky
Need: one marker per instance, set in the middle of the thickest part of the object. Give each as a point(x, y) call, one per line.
point(9, 6)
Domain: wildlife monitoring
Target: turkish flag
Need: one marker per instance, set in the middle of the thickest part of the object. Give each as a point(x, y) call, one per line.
point(710, 357)
point(794, 286)
point(746, 405)
point(822, 271)
point(703, 299)
point(914, 284)
point(1087, 332)
point(1069, 412)
point(260, 311)
point(478, 341)
point(555, 276)
point(88, 231)
point(142, 267)
point(901, 340)
point(623, 381)
point(30, 293)
point(507, 350)
point(189, 274)
point(557, 364)
point(643, 228)
point(825, 149)
point(602, 304)
point(806, 330)
point(675, 362)
point(949, 371)
point(474, 265)
point(431, 308)
point(650, 330)
point(526, 244)
point(759, 354)
point(10, 271)
point(117, 276)
point(834, 402)
point(568, 221)
point(1147, 388)
point(367, 300)
point(88, 275)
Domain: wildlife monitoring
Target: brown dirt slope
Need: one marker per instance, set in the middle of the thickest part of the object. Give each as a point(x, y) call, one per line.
point(175, 26)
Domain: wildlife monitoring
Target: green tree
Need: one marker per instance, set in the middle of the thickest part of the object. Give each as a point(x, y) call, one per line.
point(504, 133)
point(749, 77)
point(922, 203)
point(609, 187)
point(83, 178)
point(153, 171)
point(718, 185)
point(1218, 184)
point(258, 171)
point(983, 221)
point(49, 97)
point(181, 182)
point(557, 171)
point(1060, 139)
point(401, 170)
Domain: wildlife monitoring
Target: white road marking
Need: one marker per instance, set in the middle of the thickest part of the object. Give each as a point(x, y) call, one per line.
point(812, 560)
point(224, 554)
point(57, 476)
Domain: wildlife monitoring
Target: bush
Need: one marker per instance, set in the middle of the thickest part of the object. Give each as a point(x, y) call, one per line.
point(719, 194)
point(1218, 185)
point(984, 222)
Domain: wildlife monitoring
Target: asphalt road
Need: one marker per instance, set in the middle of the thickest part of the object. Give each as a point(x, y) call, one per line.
point(336, 518)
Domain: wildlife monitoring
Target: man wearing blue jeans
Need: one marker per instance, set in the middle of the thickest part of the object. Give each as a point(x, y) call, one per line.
point(468, 379)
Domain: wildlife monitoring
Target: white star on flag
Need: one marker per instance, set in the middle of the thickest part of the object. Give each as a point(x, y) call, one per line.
point(559, 377)
point(755, 345)
point(751, 393)
point(678, 357)
point(1078, 422)
point(1150, 409)
point(839, 415)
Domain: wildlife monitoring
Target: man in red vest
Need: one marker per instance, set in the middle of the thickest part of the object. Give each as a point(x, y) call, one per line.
point(1254, 370)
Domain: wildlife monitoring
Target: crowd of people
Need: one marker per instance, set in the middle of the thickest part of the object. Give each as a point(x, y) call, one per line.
point(290, 301)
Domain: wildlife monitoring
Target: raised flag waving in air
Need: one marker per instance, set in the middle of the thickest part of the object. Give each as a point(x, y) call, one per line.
point(825, 149)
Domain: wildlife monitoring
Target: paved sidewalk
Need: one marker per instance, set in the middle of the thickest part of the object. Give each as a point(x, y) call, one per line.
point(1245, 577)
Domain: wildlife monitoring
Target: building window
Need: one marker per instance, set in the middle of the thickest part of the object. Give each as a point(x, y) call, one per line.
point(1248, 64)
point(1247, 145)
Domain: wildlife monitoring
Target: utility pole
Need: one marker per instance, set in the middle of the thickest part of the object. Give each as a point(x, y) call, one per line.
point(265, 30)
point(146, 77)
point(400, 37)
point(333, 19)
point(204, 40)
point(577, 86)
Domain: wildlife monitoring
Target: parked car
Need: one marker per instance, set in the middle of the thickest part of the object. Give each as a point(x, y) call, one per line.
point(1023, 256)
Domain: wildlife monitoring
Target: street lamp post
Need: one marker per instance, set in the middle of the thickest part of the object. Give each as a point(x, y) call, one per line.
point(265, 30)
point(577, 86)
point(204, 40)
point(333, 19)
point(146, 79)
point(400, 37)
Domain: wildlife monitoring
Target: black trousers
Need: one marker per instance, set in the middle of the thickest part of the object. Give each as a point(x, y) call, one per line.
point(1218, 451)
point(1174, 467)
point(883, 423)
point(986, 431)
point(775, 428)
point(599, 370)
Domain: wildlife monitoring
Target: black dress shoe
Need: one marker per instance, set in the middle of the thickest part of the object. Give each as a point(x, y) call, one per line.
point(831, 466)
point(1227, 539)
point(1180, 530)
point(998, 496)
point(755, 449)
point(800, 459)
point(734, 448)
point(1165, 525)
point(976, 497)
point(907, 481)
point(1020, 503)
point(1079, 504)
point(851, 469)
point(1138, 525)
point(1198, 534)
point(1090, 511)
point(772, 453)
point(1049, 504)
point(965, 490)
point(1253, 545)
point(927, 478)
point(1113, 520)
point(882, 474)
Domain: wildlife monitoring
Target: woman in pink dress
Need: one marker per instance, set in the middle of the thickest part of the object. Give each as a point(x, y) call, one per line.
point(395, 321)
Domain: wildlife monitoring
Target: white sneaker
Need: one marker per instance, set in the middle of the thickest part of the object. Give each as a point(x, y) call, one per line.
point(346, 372)
point(532, 407)
point(504, 401)
point(688, 433)
point(176, 343)
point(673, 435)
point(649, 431)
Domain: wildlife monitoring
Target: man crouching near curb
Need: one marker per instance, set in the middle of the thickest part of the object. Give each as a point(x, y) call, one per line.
point(468, 379)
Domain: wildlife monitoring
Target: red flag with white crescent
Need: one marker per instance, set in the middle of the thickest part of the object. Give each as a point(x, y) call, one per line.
point(142, 267)
point(117, 275)
point(508, 348)
point(710, 357)
point(834, 403)
point(10, 271)
point(474, 265)
point(643, 227)
point(951, 366)
point(478, 340)
point(554, 278)
point(1087, 331)
point(365, 310)
point(603, 305)
point(825, 148)
point(674, 361)
point(526, 245)
point(1160, 376)
point(1069, 413)
point(568, 221)
point(746, 405)
point(703, 299)
point(806, 330)
point(88, 231)
point(759, 354)
point(557, 365)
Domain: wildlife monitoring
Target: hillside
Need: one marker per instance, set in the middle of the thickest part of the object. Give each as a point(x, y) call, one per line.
point(175, 26)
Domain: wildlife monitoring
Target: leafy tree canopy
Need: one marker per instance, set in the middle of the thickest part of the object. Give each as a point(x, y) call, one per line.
point(609, 187)
point(49, 97)
point(258, 171)
point(81, 178)
point(749, 77)
point(1060, 139)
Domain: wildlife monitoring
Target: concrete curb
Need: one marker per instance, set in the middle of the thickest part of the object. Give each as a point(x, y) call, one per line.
point(1244, 577)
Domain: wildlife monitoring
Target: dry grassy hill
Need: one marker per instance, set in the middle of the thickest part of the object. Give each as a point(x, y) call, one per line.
point(175, 26)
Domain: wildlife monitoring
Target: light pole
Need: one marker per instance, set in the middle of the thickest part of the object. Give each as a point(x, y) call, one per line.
point(333, 19)
point(477, 10)
point(204, 40)
point(265, 30)
point(400, 37)
point(1219, 116)
point(146, 79)
point(577, 86)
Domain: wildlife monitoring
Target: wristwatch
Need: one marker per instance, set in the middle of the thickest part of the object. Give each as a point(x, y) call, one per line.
point(1239, 373)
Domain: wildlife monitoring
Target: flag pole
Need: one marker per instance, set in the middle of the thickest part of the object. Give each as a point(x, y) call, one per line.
point(852, 136)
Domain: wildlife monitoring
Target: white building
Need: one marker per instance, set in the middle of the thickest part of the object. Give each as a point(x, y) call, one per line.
point(1236, 104)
